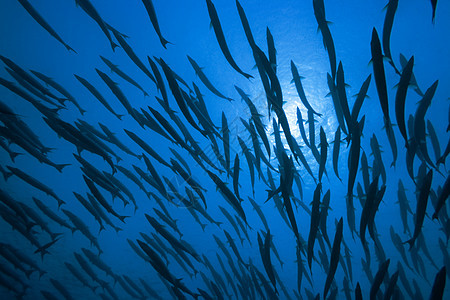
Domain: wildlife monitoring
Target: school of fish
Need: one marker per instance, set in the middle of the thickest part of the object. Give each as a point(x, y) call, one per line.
point(200, 176)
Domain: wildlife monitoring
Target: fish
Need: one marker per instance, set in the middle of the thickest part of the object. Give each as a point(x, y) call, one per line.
point(392, 284)
point(49, 81)
point(400, 97)
point(433, 7)
point(135, 287)
point(382, 271)
point(245, 25)
point(379, 74)
point(97, 95)
point(358, 293)
point(153, 18)
point(38, 18)
point(18, 73)
point(236, 170)
point(315, 221)
point(114, 68)
point(132, 55)
point(76, 273)
point(189, 179)
point(434, 140)
point(334, 258)
point(298, 85)
point(250, 162)
point(302, 128)
point(205, 80)
point(387, 29)
point(437, 291)
point(353, 168)
point(368, 205)
point(226, 140)
point(36, 183)
point(159, 80)
point(362, 94)
point(89, 9)
point(43, 248)
point(319, 13)
point(336, 149)
point(61, 288)
point(102, 200)
point(421, 208)
point(170, 238)
point(443, 196)
point(98, 262)
point(340, 85)
point(404, 206)
point(177, 95)
point(234, 247)
point(336, 103)
point(264, 249)
point(87, 268)
point(323, 152)
point(118, 93)
point(378, 165)
point(380, 82)
point(215, 23)
point(419, 122)
point(146, 147)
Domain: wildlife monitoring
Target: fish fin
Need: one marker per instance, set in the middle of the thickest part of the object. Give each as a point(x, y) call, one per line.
point(122, 218)
point(60, 167)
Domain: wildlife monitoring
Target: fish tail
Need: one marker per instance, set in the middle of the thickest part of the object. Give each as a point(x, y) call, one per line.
point(30, 225)
point(113, 46)
point(248, 76)
point(60, 167)
point(28, 273)
point(70, 48)
point(13, 155)
point(46, 150)
point(122, 218)
point(60, 202)
point(164, 42)
point(435, 215)
point(54, 235)
point(410, 242)
point(82, 111)
point(6, 175)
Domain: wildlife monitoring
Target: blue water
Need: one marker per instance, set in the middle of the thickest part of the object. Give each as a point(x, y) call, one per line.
point(186, 25)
